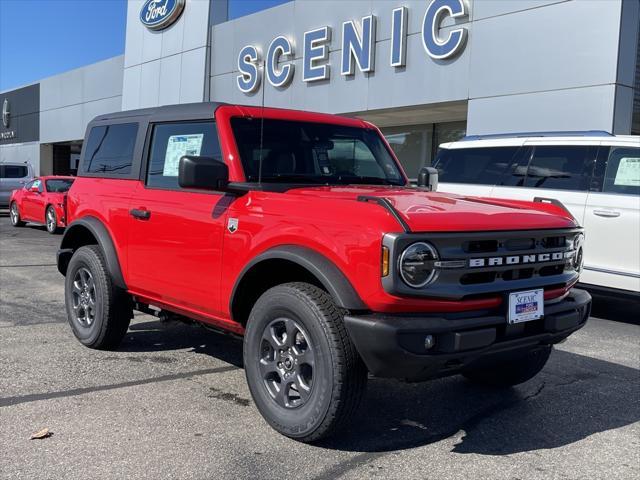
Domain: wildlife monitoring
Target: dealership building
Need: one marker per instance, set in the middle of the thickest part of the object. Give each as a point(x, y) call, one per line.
point(425, 71)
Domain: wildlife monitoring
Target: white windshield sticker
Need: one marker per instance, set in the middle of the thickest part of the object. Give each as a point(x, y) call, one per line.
point(177, 147)
point(628, 173)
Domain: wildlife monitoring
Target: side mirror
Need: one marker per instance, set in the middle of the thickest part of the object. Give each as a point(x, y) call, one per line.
point(34, 189)
point(203, 173)
point(428, 177)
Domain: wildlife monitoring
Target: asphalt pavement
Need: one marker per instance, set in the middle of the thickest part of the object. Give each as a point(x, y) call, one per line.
point(172, 402)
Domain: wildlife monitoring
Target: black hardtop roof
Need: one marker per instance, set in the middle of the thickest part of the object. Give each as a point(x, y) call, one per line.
point(200, 110)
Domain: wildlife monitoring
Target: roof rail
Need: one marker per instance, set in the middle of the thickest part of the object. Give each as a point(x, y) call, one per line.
point(585, 133)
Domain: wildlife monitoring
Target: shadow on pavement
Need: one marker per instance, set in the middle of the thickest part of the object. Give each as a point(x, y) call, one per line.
point(574, 397)
point(617, 309)
point(156, 336)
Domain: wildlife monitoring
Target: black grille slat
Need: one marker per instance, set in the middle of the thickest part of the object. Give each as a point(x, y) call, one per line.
point(518, 244)
point(480, 246)
point(554, 242)
point(518, 274)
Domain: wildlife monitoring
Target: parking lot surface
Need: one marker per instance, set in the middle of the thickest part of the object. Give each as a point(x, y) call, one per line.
point(172, 402)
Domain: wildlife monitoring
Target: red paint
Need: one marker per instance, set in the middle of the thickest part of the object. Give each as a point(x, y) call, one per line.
point(32, 206)
point(184, 259)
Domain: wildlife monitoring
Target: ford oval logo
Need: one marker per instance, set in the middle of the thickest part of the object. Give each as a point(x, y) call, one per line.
point(159, 14)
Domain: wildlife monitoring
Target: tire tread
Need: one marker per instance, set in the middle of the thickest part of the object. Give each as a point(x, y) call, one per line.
point(352, 372)
point(116, 306)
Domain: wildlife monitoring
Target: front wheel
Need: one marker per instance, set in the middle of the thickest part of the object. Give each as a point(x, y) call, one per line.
point(516, 371)
point(303, 371)
point(14, 215)
point(98, 311)
point(51, 220)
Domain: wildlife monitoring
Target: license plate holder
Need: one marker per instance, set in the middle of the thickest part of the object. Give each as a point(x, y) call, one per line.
point(526, 306)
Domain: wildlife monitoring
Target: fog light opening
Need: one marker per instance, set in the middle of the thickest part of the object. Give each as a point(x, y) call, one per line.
point(429, 342)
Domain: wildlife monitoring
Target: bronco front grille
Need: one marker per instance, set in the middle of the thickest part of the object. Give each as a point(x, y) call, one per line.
point(476, 263)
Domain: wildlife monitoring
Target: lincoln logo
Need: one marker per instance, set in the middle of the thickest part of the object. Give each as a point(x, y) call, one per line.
point(6, 113)
point(520, 259)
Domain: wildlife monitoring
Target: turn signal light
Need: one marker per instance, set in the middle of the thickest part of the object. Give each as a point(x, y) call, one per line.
point(385, 261)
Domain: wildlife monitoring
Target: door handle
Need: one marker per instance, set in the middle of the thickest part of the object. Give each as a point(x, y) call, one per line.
point(606, 213)
point(140, 214)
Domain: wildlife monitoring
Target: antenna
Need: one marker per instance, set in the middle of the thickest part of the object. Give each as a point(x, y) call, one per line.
point(264, 70)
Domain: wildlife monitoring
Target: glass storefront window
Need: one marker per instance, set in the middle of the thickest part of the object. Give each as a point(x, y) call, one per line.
point(412, 145)
point(448, 132)
point(416, 145)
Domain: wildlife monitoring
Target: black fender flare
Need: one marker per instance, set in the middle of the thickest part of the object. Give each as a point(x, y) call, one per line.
point(69, 244)
point(329, 275)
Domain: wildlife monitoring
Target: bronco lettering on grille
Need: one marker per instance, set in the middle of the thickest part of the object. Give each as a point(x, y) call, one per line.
point(520, 259)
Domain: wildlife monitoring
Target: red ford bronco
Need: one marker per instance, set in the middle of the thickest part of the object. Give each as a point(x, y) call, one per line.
point(300, 232)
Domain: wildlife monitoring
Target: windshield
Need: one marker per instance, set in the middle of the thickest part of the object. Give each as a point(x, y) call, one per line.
point(314, 153)
point(59, 186)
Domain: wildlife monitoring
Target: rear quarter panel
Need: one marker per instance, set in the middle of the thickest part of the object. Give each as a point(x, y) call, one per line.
point(107, 200)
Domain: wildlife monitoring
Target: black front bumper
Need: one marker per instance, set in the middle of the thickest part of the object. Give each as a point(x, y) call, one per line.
point(394, 346)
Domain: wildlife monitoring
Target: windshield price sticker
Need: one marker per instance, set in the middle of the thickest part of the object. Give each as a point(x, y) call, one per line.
point(526, 306)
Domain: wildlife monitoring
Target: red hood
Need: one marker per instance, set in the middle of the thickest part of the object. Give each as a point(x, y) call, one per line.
point(431, 211)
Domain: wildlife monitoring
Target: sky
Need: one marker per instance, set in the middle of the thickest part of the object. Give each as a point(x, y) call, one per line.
point(40, 38)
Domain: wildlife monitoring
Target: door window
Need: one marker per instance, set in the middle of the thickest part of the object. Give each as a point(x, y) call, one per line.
point(171, 141)
point(622, 174)
point(109, 149)
point(481, 166)
point(561, 168)
point(14, 171)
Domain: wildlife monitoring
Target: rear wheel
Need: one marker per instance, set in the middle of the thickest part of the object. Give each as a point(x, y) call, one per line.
point(98, 311)
point(51, 220)
point(14, 215)
point(303, 371)
point(513, 373)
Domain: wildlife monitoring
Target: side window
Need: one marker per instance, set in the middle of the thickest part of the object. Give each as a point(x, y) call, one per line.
point(479, 166)
point(561, 167)
point(15, 171)
point(171, 141)
point(622, 174)
point(28, 185)
point(110, 149)
point(515, 175)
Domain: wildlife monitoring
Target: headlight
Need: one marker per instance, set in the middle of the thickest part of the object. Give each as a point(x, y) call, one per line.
point(578, 258)
point(416, 264)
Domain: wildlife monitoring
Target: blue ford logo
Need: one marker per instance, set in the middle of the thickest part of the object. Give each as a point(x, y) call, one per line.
point(159, 14)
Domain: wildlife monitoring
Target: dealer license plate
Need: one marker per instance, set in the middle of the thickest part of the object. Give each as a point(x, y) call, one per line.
point(526, 306)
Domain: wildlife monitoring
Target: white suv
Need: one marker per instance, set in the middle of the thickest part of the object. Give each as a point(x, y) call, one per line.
point(594, 174)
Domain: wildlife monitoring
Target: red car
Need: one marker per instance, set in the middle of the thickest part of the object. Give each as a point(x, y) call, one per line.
point(42, 200)
point(300, 232)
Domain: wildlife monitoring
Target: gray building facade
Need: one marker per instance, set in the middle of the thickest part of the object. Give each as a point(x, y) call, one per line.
point(425, 71)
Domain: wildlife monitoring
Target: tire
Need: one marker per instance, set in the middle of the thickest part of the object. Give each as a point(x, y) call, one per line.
point(512, 373)
point(14, 215)
point(51, 220)
point(328, 375)
point(99, 314)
